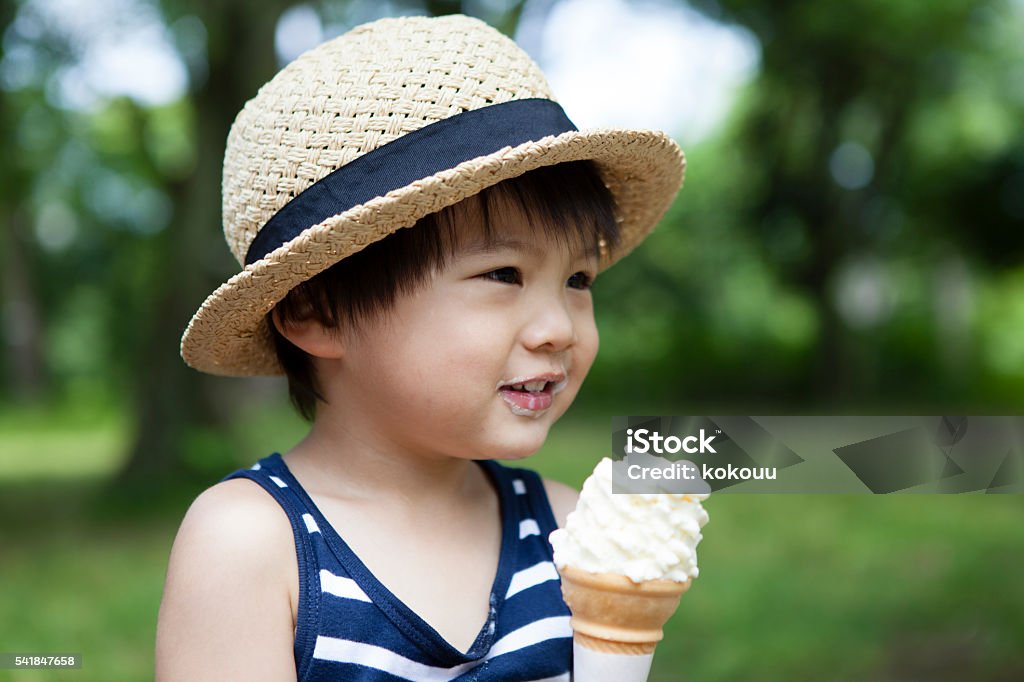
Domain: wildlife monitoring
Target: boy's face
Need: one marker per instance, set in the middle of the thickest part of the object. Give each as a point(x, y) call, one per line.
point(428, 377)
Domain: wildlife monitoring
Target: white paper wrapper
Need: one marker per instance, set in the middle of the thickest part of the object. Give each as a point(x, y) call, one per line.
point(597, 666)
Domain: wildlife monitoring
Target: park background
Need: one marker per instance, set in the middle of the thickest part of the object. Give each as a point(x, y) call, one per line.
point(850, 240)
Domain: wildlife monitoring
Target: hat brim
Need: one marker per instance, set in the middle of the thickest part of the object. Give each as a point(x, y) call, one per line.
point(229, 336)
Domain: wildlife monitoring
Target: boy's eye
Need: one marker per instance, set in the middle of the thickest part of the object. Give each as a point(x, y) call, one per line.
point(583, 280)
point(511, 275)
point(508, 275)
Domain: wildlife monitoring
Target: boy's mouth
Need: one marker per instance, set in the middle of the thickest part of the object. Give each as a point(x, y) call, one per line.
point(550, 381)
point(531, 396)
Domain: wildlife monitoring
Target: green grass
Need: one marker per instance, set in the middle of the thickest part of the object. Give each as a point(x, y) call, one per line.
point(74, 443)
point(792, 587)
point(844, 587)
point(86, 588)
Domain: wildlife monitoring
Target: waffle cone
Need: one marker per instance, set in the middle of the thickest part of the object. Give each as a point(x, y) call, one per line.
point(613, 614)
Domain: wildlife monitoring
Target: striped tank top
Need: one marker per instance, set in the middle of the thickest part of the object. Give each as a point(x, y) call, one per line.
point(349, 626)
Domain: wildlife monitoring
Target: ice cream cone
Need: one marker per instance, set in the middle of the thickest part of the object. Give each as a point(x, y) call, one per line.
point(614, 615)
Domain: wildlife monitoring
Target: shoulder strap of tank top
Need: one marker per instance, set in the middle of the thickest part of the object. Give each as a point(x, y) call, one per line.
point(529, 485)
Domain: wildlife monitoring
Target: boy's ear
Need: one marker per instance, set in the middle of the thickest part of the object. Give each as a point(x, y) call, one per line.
point(310, 336)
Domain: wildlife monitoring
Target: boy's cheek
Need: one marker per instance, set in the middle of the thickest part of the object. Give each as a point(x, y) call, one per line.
point(588, 353)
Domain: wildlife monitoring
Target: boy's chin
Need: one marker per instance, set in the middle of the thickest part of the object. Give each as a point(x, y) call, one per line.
point(516, 451)
point(507, 456)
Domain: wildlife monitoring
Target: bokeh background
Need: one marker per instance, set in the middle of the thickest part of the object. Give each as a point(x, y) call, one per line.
point(850, 239)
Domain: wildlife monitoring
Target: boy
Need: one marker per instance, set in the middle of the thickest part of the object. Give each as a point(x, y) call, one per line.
point(419, 225)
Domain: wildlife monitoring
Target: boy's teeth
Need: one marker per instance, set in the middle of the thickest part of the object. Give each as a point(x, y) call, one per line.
point(532, 386)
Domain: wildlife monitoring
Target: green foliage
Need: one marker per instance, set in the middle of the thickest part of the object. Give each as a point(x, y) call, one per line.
point(772, 282)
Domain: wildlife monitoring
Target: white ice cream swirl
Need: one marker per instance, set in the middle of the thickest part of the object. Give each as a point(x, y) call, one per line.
point(642, 536)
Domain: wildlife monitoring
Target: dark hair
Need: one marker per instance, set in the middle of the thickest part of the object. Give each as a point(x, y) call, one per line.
point(575, 209)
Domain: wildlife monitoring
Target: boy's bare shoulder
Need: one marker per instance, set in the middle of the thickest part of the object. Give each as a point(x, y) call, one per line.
point(241, 525)
point(236, 518)
point(235, 500)
point(226, 608)
point(562, 498)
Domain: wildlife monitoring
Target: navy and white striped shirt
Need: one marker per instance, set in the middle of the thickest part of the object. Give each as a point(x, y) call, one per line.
point(349, 626)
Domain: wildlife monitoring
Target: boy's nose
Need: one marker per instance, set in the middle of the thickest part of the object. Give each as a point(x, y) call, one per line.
point(550, 325)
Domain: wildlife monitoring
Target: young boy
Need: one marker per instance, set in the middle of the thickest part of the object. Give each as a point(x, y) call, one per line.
point(419, 225)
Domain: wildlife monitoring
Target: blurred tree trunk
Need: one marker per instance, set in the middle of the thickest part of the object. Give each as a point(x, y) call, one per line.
point(22, 321)
point(20, 315)
point(170, 398)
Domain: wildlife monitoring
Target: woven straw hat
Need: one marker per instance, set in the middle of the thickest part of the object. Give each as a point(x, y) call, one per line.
point(375, 129)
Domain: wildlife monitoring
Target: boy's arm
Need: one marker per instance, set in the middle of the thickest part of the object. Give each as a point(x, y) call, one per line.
point(226, 612)
point(562, 499)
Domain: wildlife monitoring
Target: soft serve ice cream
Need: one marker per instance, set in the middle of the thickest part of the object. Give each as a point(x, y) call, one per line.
point(625, 560)
point(643, 536)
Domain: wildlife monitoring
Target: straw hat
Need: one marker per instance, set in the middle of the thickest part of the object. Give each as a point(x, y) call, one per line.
point(375, 129)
